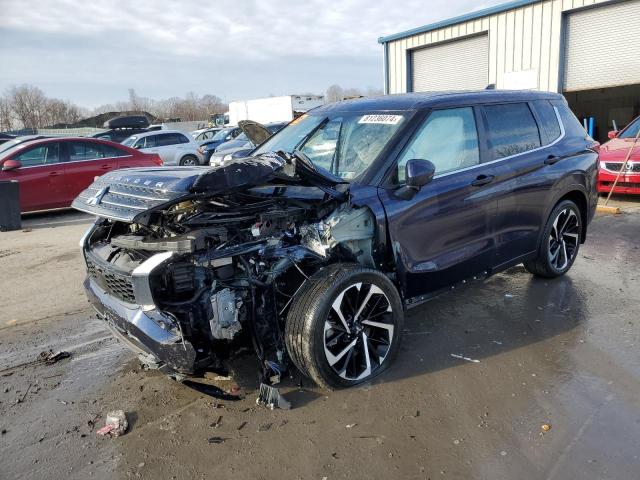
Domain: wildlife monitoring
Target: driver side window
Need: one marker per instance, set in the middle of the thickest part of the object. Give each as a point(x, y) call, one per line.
point(448, 139)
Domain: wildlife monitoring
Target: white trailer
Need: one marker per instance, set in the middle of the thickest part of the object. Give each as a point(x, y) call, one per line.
point(273, 109)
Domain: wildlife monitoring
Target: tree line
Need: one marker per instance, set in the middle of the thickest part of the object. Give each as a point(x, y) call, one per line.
point(27, 106)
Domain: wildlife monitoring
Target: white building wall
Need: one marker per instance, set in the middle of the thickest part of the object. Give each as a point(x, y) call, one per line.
point(524, 45)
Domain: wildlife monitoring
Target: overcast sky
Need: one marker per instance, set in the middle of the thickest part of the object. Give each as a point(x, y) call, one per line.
point(91, 52)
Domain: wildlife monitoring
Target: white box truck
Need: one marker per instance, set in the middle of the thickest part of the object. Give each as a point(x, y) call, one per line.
point(273, 109)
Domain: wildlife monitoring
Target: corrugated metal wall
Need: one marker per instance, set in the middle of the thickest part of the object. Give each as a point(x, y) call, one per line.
point(523, 40)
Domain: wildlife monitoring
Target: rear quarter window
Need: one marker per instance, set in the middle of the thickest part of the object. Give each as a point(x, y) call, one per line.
point(511, 129)
point(549, 126)
point(572, 126)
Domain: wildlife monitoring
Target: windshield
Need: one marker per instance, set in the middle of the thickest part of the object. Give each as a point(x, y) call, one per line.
point(344, 143)
point(632, 130)
point(130, 141)
point(222, 134)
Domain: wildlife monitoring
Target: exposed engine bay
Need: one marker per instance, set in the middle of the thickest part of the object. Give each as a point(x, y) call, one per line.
point(205, 276)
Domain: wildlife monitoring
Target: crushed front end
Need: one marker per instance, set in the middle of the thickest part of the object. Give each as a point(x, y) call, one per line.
point(189, 274)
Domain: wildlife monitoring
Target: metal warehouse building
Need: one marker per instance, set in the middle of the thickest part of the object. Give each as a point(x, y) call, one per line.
point(585, 49)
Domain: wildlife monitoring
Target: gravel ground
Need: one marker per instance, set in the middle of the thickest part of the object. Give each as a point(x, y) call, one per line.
point(562, 353)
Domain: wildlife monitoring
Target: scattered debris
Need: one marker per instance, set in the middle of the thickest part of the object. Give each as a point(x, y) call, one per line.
point(3, 431)
point(503, 453)
point(508, 295)
point(21, 399)
point(270, 397)
point(497, 342)
point(116, 424)
point(461, 357)
point(46, 358)
point(212, 390)
point(242, 425)
point(217, 423)
point(265, 427)
point(49, 358)
point(351, 425)
point(545, 427)
point(216, 440)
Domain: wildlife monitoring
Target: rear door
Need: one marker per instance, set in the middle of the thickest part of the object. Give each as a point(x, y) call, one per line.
point(166, 147)
point(519, 149)
point(85, 161)
point(40, 177)
point(444, 233)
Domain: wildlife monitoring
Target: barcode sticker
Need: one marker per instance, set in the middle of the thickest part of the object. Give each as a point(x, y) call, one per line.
point(382, 119)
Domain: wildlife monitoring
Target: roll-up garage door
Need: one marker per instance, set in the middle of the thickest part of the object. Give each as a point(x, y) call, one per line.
point(456, 65)
point(601, 47)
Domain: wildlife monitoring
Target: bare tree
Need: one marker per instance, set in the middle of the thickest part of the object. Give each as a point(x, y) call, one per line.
point(28, 105)
point(6, 115)
point(335, 93)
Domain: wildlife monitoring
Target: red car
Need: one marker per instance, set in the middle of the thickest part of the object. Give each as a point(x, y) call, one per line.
point(53, 171)
point(612, 156)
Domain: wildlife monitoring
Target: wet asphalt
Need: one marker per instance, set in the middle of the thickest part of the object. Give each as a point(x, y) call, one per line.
point(562, 353)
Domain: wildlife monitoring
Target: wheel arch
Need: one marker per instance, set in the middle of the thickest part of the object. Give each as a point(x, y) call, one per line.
point(578, 197)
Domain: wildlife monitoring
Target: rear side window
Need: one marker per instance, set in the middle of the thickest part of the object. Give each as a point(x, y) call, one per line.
point(171, 139)
point(84, 151)
point(549, 126)
point(182, 138)
point(511, 129)
point(112, 152)
point(572, 126)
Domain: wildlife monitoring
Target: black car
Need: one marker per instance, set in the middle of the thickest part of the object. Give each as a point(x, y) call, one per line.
point(119, 135)
point(312, 249)
point(5, 137)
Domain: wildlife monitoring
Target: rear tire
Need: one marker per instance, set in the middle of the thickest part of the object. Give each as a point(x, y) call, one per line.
point(560, 242)
point(344, 326)
point(189, 160)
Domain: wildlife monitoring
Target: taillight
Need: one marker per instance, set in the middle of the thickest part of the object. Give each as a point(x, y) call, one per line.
point(157, 160)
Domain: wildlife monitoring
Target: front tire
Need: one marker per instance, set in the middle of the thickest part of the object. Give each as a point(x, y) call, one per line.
point(344, 326)
point(189, 161)
point(560, 242)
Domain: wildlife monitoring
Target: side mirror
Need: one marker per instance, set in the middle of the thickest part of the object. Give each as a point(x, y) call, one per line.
point(613, 134)
point(9, 165)
point(418, 173)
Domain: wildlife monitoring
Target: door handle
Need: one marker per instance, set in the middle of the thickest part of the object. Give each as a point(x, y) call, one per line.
point(551, 159)
point(482, 180)
point(105, 167)
point(54, 174)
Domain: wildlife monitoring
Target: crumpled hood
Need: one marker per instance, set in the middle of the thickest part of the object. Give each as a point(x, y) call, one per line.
point(129, 194)
point(126, 194)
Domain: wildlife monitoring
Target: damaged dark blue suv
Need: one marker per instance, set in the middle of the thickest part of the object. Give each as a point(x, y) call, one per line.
point(312, 248)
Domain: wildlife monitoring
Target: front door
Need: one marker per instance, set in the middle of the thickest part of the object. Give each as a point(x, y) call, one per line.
point(41, 177)
point(444, 233)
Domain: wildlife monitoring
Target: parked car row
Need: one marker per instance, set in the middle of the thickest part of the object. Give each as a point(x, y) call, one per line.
point(253, 134)
point(173, 147)
point(53, 171)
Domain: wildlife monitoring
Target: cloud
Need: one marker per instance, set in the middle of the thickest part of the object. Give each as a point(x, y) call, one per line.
point(114, 43)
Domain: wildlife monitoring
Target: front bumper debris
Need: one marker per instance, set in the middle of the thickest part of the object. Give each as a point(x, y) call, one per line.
point(140, 328)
